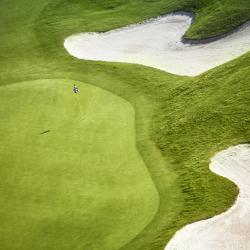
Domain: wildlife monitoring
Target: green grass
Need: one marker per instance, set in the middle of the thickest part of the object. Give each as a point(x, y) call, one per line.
point(71, 175)
point(180, 122)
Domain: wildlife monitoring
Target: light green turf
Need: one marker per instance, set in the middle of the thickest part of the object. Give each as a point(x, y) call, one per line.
point(180, 121)
point(78, 185)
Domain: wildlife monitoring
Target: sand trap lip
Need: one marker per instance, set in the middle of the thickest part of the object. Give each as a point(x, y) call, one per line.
point(158, 43)
point(229, 230)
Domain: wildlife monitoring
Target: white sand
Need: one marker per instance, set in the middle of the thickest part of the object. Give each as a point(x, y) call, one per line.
point(157, 43)
point(230, 230)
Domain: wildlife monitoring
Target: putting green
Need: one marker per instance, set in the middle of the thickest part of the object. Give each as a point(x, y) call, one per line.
point(71, 176)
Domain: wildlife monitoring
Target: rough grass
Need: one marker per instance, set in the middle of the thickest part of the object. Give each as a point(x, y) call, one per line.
point(180, 121)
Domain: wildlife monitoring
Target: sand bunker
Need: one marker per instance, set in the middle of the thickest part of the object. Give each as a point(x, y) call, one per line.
point(230, 230)
point(157, 43)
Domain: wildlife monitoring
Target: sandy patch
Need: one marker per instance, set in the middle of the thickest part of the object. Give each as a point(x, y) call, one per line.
point(158, 43)
point(230, 230)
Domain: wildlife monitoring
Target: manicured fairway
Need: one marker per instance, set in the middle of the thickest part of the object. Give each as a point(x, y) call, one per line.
point(71, 178)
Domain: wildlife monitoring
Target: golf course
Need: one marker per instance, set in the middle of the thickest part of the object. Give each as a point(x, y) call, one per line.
point(125, 163)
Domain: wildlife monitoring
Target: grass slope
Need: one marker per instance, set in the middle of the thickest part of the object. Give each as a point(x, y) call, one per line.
point(65, 185)
point(180, 121)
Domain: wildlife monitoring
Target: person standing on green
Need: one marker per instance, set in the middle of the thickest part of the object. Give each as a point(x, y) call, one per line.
point(75, 89)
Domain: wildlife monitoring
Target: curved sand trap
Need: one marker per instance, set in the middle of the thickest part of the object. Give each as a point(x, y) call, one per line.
point(230, 230)
point(157, 43)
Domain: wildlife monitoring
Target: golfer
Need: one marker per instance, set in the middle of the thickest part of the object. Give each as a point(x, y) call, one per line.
point(75, 89)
